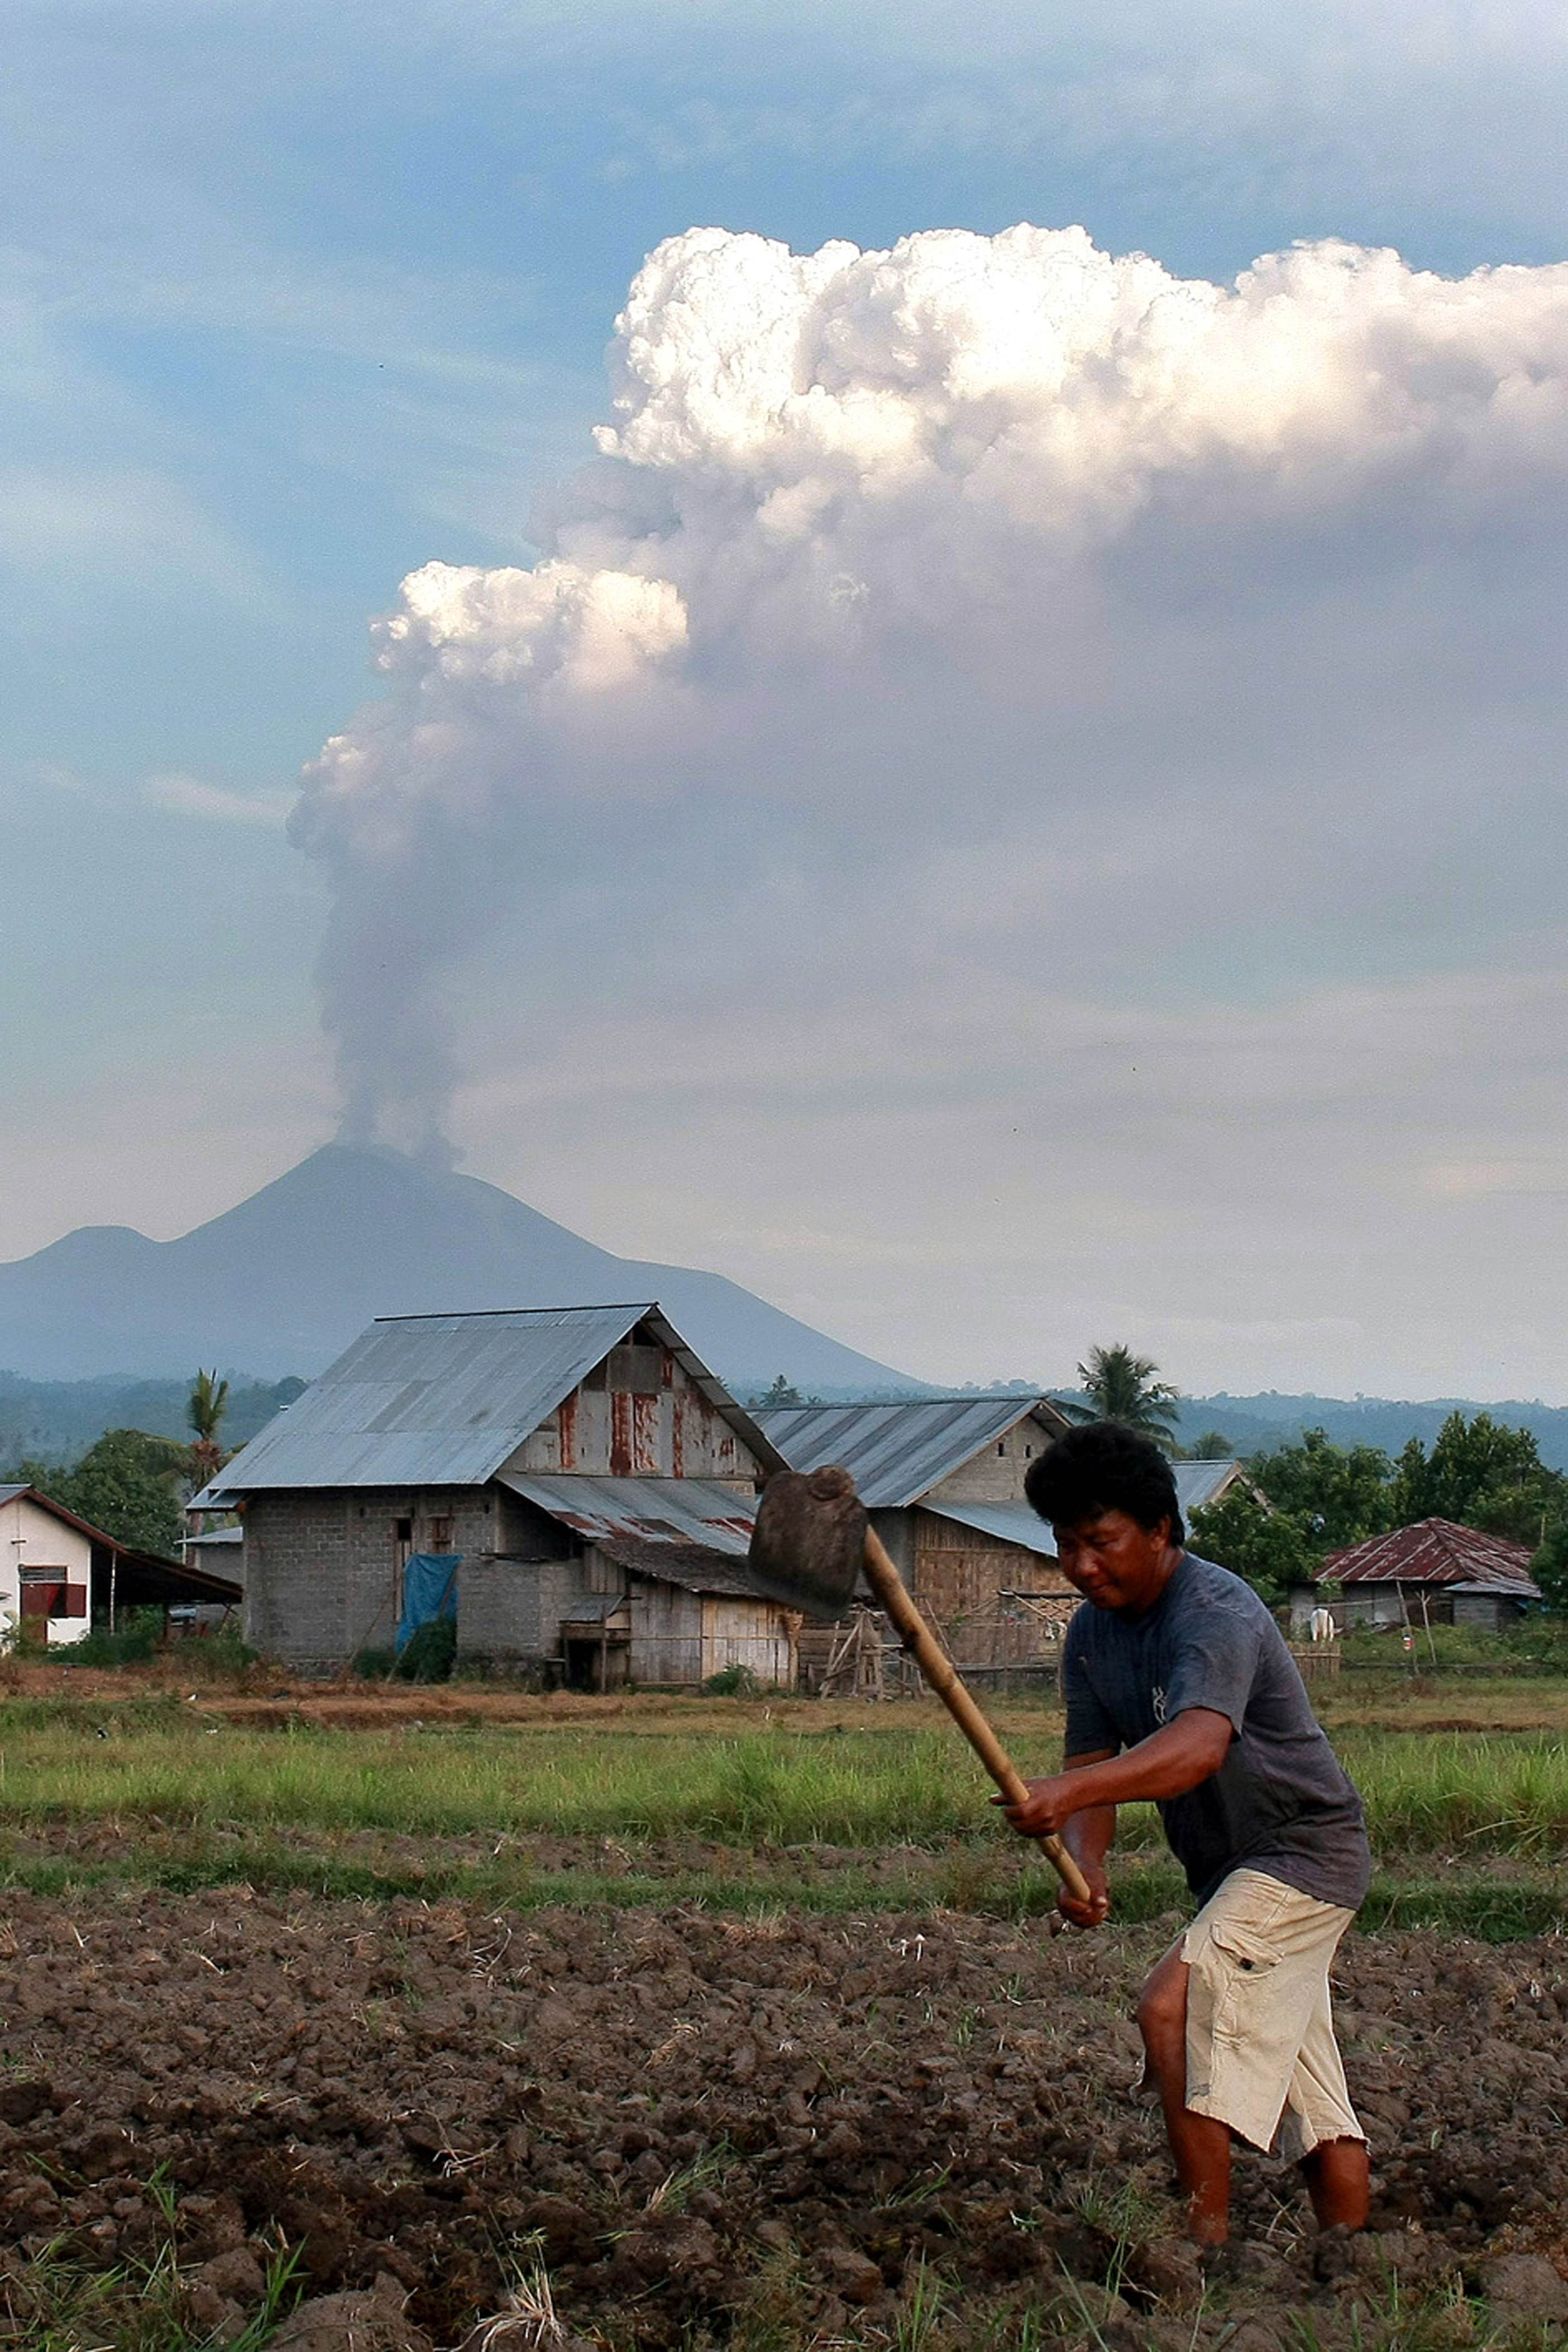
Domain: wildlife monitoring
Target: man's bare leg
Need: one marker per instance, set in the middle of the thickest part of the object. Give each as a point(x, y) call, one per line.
point(1339, 2182)
point(1199, 2144)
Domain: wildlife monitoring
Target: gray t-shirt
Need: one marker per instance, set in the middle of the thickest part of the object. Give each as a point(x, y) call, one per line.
point(1281, 1803)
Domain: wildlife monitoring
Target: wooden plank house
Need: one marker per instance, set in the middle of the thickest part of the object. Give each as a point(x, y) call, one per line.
point(943, 1480)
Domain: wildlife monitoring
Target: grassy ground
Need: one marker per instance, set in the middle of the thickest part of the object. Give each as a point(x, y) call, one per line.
point(729, 1802)
point(777, 1776)
point(51, 2301)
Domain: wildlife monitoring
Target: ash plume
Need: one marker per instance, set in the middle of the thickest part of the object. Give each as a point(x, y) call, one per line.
point(976, 536)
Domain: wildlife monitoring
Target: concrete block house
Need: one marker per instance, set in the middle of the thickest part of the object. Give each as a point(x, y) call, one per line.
point(943, 1480)
point(593, 1482)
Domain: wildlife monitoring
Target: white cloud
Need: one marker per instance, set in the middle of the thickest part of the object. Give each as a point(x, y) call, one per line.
point(1125, 554)
point(1088, 918)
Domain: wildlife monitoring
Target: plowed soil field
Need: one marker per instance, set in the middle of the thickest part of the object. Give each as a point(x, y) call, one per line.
point(707, 2129)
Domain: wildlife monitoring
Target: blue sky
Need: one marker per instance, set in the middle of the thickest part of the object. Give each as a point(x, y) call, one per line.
point(297, 298)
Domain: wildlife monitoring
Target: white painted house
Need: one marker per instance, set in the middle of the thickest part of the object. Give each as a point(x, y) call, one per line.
point(46, 1568)
point(58, 1573)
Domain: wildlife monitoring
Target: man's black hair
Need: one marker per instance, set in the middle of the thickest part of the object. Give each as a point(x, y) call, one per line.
point(1102, 1466)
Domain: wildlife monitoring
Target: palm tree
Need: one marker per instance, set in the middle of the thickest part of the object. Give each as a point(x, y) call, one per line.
point(1120, 1386)
point(205, 1410)
point(1212, 1446)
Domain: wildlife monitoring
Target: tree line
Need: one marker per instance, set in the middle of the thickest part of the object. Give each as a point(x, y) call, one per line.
point(135, 1486)
point(1319, 1497)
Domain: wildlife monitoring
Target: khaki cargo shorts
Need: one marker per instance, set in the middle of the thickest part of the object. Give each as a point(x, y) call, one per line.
point(1261, 2049)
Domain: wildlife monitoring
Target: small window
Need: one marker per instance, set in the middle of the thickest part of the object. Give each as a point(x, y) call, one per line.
point(441, 1535)
point(1003, 1446)
point(1029, 1453)
point(635, 1371)
point(403, 1531)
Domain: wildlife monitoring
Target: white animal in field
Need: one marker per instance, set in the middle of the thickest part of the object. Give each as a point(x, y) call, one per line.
point(1323, 1627)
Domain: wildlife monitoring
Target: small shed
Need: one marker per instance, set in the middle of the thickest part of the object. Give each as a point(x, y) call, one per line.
point(943, 1480)
point(1434, 1572)
point(58, 1574)
point(674, 1604)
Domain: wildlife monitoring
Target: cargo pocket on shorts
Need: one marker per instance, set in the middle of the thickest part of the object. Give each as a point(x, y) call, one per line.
point(1239, 1964)
point(1245, 1946)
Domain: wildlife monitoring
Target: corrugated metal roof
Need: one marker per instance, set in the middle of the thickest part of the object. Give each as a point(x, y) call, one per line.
point(1013, 1523)
point(896, 1453)
point(444, 1399)
point(1198, 1483)
point(1434, 1551)
point(643, 1510)
point(688, 1531)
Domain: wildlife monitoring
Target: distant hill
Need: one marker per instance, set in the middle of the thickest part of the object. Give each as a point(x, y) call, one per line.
point(105, 1329)
point(282, 1283)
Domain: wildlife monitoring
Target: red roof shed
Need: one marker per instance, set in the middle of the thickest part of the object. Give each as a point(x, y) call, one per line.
point(1434, 1551)
point(1455, 1575)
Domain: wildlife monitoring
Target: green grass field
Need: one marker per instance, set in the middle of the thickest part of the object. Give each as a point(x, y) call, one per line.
point(1470, 1827)
point(1505, 1793)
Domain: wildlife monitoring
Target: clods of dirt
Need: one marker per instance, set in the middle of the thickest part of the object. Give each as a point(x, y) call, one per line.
point(680, 2117)
point(373, 2321)
point(1527, 2283)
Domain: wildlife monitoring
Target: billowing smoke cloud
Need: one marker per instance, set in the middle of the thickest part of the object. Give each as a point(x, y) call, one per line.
point(916, 552)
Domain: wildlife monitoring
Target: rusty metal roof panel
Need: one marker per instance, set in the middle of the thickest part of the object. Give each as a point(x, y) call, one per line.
point(676, 1511)
point(696, 1567)
point(1434, 1551)
point(896, 1453)
point(428, 1400)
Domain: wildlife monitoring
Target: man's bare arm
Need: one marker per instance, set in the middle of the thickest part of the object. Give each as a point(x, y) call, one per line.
point(1172, 1760)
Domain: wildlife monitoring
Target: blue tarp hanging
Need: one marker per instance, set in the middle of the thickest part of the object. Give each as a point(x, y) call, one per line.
point(429, 1590)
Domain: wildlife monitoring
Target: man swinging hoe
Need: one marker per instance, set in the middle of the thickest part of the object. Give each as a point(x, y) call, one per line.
point(1180, 1689)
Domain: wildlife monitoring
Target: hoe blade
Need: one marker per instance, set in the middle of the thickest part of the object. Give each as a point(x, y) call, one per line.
point(808, 1540)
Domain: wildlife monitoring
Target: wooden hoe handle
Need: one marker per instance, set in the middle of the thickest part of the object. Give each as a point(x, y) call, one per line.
point(938, 1668)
